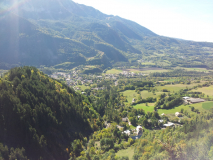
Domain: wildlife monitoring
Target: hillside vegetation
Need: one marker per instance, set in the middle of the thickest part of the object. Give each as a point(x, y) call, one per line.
point(41, 115)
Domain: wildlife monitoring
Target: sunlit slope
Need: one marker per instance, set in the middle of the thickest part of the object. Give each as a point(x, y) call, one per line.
point(65, 30)
point(40, 114)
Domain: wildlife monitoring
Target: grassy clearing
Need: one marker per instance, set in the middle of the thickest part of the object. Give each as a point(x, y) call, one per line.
point(130, 94)
point(198, 69)
point(170, 80)
point(198, 106)
point(148, 63)
point(148, 108)
point(175, 87)
point(114, 71)
point(147, 71)
point(129, 152)
point(195, 69)
point(83, 87)
point(207, 106)
point(206, 90)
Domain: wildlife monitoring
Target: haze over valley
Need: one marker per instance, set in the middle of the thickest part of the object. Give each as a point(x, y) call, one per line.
point(78, 84)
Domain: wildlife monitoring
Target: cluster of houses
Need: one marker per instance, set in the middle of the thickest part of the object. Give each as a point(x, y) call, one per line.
point(138, 131)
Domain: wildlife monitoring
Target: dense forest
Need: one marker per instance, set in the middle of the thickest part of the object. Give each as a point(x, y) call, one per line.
point(41, 115)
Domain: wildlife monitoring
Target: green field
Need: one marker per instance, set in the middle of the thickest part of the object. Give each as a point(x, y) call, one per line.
point(148, 108)
point(130, 94)
point(147, 71)
point(175, 87)
point(129, 152)
point(206, 90)
point(83, 87)
point(170, 80)
point(207, 106)
point(198, 106)
point(148, 63)
point(198, 69)
point(114, 71)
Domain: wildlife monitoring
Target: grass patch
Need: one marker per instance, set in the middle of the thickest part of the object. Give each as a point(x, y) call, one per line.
point(175, 87)
point(83, 87)
point(129, 152)
point(147, 70)
point(206, 90)
point(198, 69)
point(113, 71)
point(148, 63)
point(170, 80)
point(130, 94)
point(207, 106)
point(148, 108)
point(198, 106)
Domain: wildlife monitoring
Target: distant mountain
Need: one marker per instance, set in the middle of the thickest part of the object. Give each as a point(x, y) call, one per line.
point(52, 33)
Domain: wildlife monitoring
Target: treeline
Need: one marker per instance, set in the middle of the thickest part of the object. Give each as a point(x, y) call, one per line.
point(134, 85)
point(147, 100)
point(167, 102)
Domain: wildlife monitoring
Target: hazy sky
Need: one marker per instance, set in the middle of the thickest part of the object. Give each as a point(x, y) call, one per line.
point(185, 19)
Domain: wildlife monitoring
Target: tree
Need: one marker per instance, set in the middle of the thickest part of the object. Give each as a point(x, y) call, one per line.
point(192, 108)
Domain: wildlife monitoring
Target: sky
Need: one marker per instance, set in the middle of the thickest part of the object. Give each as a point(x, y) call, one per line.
point(184, 19)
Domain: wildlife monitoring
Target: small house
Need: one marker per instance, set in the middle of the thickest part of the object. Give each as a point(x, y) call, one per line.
point(133, 100)
point(139, 130)
point(125, 119)
point(127, 132)
point(177, 114)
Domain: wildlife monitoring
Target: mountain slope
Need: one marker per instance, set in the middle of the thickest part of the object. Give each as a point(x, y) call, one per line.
point(40, 114)
point(67, 30)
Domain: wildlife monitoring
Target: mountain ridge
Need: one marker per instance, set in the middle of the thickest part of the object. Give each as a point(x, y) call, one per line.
point(84, 28)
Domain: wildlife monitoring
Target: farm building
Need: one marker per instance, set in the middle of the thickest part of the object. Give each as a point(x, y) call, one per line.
point(195, 100)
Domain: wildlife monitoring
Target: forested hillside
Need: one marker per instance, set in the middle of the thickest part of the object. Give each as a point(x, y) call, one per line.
point(41, 115)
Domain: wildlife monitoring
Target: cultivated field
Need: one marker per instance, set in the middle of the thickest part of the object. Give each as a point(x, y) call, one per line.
point(130, 94)
point(147, 70)
point(114, 71)
point(204, 106)
point(175, 87)
point(206, 90)
point(148, 108)
point(143, 70)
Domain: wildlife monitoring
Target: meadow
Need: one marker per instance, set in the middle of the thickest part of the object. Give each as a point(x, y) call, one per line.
point(176, 87)
point(148, 108)
point(206, 90)
point(204, 106)
point(147, 70)
point(129, 152)
point(130, 94)
point(113, 71)
point(83, 87)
